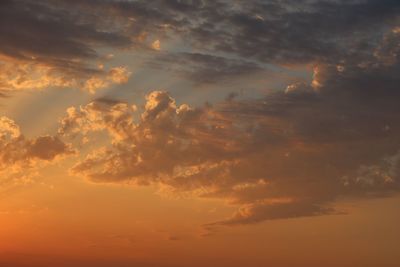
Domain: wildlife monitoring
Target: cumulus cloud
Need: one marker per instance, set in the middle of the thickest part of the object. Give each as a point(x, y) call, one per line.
point(21, 157)
point(136, 146)
point(290, 154)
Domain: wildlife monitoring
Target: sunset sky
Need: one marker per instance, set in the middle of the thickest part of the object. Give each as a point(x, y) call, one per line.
point(193, 133)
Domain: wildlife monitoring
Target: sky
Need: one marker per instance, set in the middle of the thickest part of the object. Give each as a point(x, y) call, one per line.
point(191, 133)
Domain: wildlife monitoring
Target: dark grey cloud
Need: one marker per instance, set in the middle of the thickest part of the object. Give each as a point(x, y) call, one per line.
point(49, 33)
point(58, 43)
point(302, 32)
point(40, 28)
point(204, 68)
point(68, 34)
point(254, 213)
point(279, 32)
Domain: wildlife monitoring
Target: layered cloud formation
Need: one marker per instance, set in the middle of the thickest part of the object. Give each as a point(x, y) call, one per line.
point(64, 43)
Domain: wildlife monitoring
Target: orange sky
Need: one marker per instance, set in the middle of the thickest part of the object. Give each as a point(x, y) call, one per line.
point(199, 133)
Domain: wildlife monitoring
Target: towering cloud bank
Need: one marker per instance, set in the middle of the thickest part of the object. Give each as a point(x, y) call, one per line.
point(290, 154)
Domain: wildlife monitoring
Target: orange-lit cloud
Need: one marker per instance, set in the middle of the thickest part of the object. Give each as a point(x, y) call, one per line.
point(23, 75)
point(265, 156)
point(20, 157)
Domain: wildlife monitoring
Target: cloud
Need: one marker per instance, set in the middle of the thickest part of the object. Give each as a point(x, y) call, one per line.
point(136, 146)
point(205, 68)
point(16, 76)
point(283, 32)
point(117, 75)
point(156, 45)
point(204, 152)
point(60, 43)
point(290, 154)
point(57, 44)
point(253, 213)
point(20, 158)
